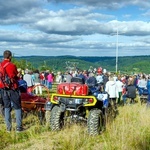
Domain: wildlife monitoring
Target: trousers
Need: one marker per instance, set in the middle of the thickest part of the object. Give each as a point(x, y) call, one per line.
point(11, 99)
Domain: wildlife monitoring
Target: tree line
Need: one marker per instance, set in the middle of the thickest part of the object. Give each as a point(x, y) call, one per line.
point(130, 64)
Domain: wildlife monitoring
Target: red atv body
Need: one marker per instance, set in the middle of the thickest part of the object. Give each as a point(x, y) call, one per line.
point(72, 89)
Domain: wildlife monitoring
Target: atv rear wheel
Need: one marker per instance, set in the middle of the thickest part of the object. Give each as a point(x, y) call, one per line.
point(56, 118)
point(94, 122)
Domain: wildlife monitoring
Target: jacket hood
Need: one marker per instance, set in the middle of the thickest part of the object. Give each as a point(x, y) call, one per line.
point(112, 82)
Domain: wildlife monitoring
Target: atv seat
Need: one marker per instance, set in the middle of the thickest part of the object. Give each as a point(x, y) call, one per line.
point(77, 79)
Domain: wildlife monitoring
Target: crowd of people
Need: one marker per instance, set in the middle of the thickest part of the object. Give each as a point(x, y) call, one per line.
point(37, 79)
point(118, 87)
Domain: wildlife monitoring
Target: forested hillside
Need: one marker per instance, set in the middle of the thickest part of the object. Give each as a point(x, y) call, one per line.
point(128, 64)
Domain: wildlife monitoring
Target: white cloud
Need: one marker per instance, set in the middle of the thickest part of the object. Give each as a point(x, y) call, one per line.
point(33, 28)
point(109, 4)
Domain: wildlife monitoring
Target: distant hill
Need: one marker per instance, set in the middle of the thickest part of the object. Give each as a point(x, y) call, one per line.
point(125, 64)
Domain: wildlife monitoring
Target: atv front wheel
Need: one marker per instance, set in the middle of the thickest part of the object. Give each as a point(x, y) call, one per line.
point(94, 122)
point(56, 118)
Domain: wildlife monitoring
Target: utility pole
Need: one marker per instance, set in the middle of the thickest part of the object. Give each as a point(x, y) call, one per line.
point(117, 52)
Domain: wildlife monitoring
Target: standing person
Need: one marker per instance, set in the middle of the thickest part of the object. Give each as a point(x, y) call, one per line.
point(142, 84)
point(38, 88)
point(20, 75)
point(99, 79)
point(80, 75)
point(42, 78)
point(124, 98)
point(111, 89)
point(92, 84)
point(46, 73)
point(68, 77)
point(105, 80)
point(148, 88)
point(59, 77)
point(50, 80)
point(11, 96)
point(28, 78)
point(53, 75)
point(119, 89)
point(131, 91)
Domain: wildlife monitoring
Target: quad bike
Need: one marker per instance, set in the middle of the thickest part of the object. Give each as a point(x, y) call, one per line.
point(72, 104)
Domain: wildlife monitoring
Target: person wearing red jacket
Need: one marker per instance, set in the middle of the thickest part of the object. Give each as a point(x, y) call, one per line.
point(11, 96)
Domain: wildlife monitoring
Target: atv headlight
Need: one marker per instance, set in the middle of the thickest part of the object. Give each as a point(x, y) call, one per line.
point(78, 101)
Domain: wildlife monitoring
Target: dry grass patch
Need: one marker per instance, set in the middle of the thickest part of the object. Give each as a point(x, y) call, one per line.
point(129, 131)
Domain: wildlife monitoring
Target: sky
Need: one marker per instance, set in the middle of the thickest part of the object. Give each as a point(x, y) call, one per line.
point(75, 27)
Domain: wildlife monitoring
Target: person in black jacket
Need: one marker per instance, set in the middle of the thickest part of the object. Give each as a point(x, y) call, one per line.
point(148, 88)
point(92, 84)
point(105, 79)
point(131, 91)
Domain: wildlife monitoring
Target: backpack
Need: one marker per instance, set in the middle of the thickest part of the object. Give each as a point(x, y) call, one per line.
point(22, 84)
point(5, 81)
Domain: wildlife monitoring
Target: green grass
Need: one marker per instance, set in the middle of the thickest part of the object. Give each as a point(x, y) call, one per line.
point(129, 131)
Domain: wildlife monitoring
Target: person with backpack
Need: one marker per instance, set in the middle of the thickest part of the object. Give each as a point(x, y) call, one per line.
point(10, 92)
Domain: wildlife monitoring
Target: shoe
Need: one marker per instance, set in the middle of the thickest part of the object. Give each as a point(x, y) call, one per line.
point(8, 131)
point(19, 129)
